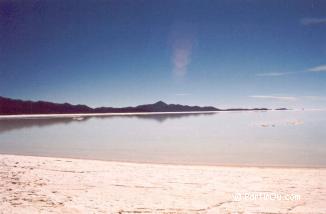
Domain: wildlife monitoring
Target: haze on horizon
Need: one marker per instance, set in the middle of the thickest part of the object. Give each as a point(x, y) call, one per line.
point(246, 53)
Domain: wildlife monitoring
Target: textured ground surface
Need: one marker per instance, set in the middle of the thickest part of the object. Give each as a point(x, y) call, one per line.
point(55, 185)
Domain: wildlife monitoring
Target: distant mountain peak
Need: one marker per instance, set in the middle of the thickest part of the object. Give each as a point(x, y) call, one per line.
point(11, 106)
point(160, 103)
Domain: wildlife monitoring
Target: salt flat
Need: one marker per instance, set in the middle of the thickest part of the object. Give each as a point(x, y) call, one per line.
point(35, 116)
point(43, 185)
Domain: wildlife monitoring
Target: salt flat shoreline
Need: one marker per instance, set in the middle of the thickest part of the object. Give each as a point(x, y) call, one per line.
point(22, 116)
point(40, 116)
point(42, 185)
point(36, 116)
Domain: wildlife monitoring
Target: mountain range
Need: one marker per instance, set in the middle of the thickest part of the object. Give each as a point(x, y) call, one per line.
point(10, 106)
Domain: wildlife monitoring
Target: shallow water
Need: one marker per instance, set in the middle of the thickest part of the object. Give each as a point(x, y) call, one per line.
point(273, 138)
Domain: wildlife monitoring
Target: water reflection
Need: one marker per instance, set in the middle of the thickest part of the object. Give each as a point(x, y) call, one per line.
point(237, 138)
point(16, 124)
point(7, 125)
point(161, 117)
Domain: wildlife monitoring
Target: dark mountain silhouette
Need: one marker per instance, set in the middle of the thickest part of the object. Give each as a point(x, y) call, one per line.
point(10, 106)
point(13, 106)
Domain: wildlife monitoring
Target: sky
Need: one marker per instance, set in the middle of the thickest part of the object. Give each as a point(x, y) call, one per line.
point(232, 53)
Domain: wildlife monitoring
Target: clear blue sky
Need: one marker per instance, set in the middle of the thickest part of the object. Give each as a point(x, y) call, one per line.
point(120, 53)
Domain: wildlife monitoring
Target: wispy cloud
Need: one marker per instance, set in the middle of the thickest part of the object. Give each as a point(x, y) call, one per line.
point(182, 38)
point(320, 68)
point(313, 21)
point(181, 59)
point(182, 94)
point(274, 74)
point(281, 98)
point(316, 69)
point(315, 98)
point(290, 98)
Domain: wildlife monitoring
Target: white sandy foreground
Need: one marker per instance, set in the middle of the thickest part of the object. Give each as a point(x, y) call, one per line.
point(45, 185)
